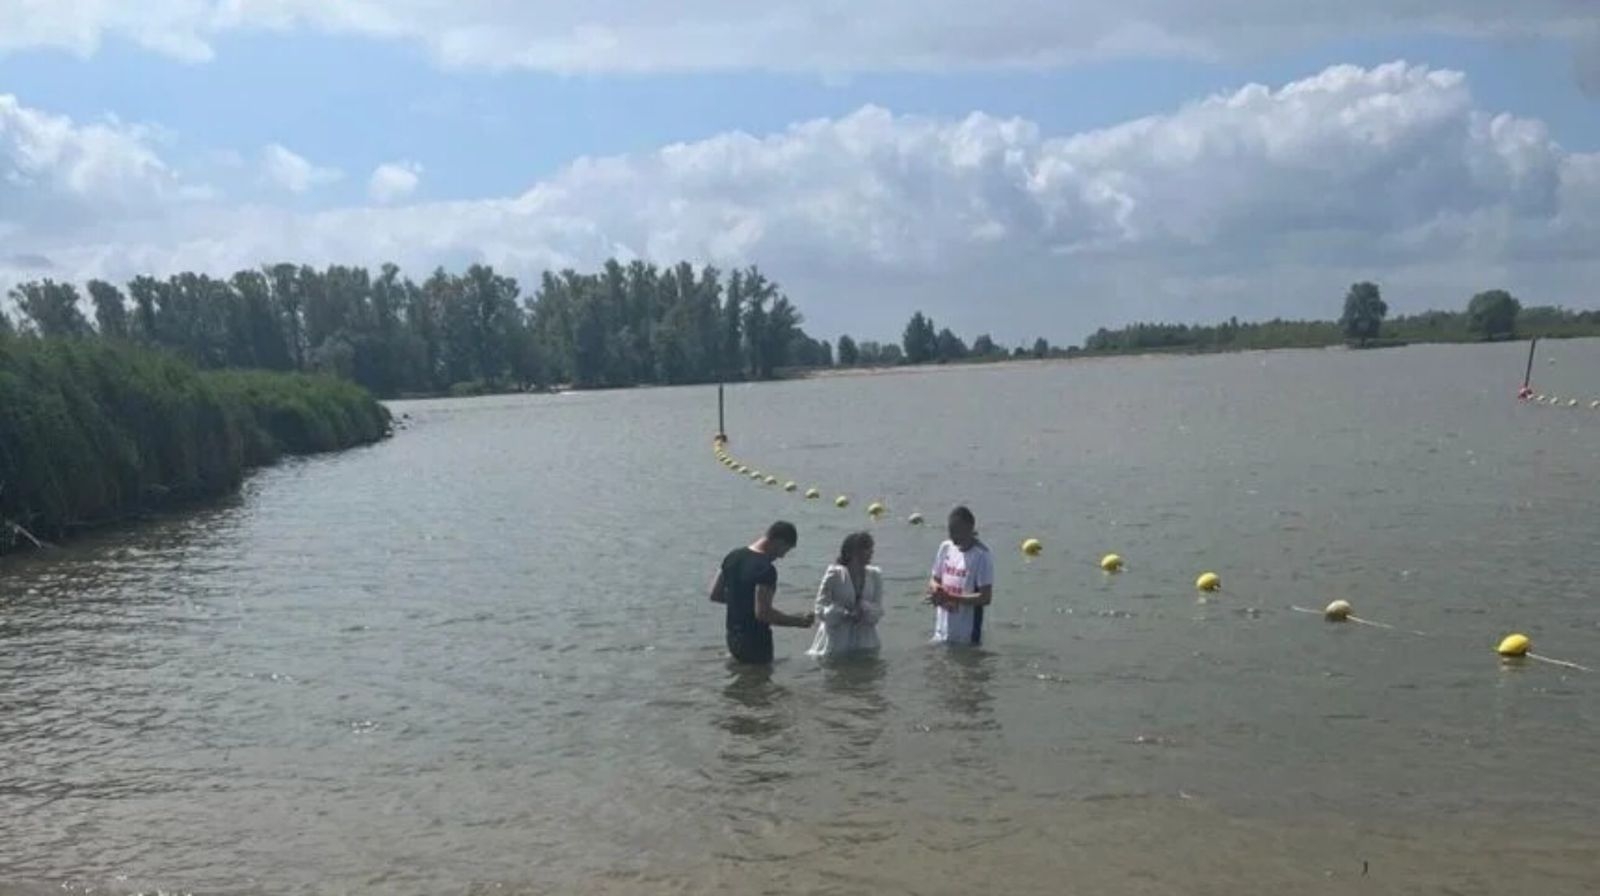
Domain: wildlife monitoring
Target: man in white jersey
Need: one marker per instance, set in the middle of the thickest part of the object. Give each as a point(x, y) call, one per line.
point(962, 582)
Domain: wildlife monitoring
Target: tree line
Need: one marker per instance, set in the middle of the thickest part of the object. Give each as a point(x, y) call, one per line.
point(623, 325)
point(1493, 314)
point(923, 342)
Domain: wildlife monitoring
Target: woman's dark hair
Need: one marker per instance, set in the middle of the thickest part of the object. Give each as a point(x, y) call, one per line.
point(854, 543)
point(963, 514)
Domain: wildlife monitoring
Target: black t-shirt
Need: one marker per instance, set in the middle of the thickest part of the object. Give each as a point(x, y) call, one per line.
point(742, 571)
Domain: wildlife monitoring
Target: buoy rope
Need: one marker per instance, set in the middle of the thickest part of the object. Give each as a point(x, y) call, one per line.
point(1557, 402)
point(1360, 621)
point(1555, 662)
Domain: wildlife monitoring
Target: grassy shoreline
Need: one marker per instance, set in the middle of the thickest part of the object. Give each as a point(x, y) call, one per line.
point(95, 432)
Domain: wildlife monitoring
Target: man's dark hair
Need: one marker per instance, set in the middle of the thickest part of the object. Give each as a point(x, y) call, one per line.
point(785, 532)
point(963, 514)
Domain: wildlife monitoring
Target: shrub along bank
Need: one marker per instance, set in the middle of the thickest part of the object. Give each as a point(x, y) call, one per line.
point(95, 431)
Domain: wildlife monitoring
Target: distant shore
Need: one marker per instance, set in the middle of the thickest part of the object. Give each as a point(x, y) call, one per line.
point(1006, 363)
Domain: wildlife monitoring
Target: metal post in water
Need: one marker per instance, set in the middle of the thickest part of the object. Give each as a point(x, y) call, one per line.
point(722, 429)
point(1527, 378)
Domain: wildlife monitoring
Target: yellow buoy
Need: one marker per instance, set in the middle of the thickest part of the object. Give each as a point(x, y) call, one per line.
point(1338, 611)
point(789, 486)
point(876, 509)
point(842, 501)
point(812, 494)
point(1032, 547)
point(915, 519)
point(1111, 563)
point(1209, 581)
point(1514, 645)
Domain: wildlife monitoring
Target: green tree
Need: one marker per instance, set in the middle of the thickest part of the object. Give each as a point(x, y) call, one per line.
point(52, 309)
point(263, 326)
point(849, 353)
point(920, 340)
point(949, 347)
point(1493, 314)
point(1041, 347)
point(110, 310)
point(288, 302)
point(730, 360)
point(983, 346)
point(1364, 310)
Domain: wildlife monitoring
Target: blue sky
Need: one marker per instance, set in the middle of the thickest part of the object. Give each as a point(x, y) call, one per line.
point(347, 98)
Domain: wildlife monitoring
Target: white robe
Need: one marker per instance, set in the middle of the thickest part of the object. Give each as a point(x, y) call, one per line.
point(837, 631)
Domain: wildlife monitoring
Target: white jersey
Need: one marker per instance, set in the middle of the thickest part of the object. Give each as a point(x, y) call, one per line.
point(961, 572)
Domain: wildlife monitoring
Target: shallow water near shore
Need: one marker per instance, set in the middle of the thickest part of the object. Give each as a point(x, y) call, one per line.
point(478, 658)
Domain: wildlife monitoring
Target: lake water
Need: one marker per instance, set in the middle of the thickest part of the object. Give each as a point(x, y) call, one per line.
point(478, 658)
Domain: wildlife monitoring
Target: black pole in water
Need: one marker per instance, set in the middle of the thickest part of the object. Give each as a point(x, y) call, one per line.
point(1527, 378)
point(722, 429)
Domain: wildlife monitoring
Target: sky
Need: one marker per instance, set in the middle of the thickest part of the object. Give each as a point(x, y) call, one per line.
point(1017, 167)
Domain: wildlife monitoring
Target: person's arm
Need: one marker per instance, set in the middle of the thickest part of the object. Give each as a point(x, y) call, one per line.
point(830, 608)
point(935, 584)
point(717, 597)
point(871, 609)
point(980, 598)
point(766, 612)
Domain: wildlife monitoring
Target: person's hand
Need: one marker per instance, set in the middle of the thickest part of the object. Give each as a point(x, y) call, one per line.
point(810, 619)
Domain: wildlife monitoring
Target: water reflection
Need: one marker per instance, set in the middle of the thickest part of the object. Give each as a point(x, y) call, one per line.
point(854, 707)
point(960, 678)
point(755, 711)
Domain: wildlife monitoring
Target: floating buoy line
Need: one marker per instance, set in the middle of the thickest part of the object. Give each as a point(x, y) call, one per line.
point(1528, 395)
point(1512, 649)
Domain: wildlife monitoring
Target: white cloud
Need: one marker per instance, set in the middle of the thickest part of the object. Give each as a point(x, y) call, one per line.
point(56, 175)
point(1256, 202)
point(294, 172)
point(808, 35)
point(393, 181)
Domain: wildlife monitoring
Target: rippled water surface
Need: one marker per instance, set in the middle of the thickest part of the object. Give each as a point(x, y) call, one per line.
point(478, 658)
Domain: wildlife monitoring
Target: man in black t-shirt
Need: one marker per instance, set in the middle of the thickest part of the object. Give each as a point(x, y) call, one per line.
point(746, 583)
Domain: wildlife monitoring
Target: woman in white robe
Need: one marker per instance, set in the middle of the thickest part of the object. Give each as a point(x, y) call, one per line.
point(849, 601)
